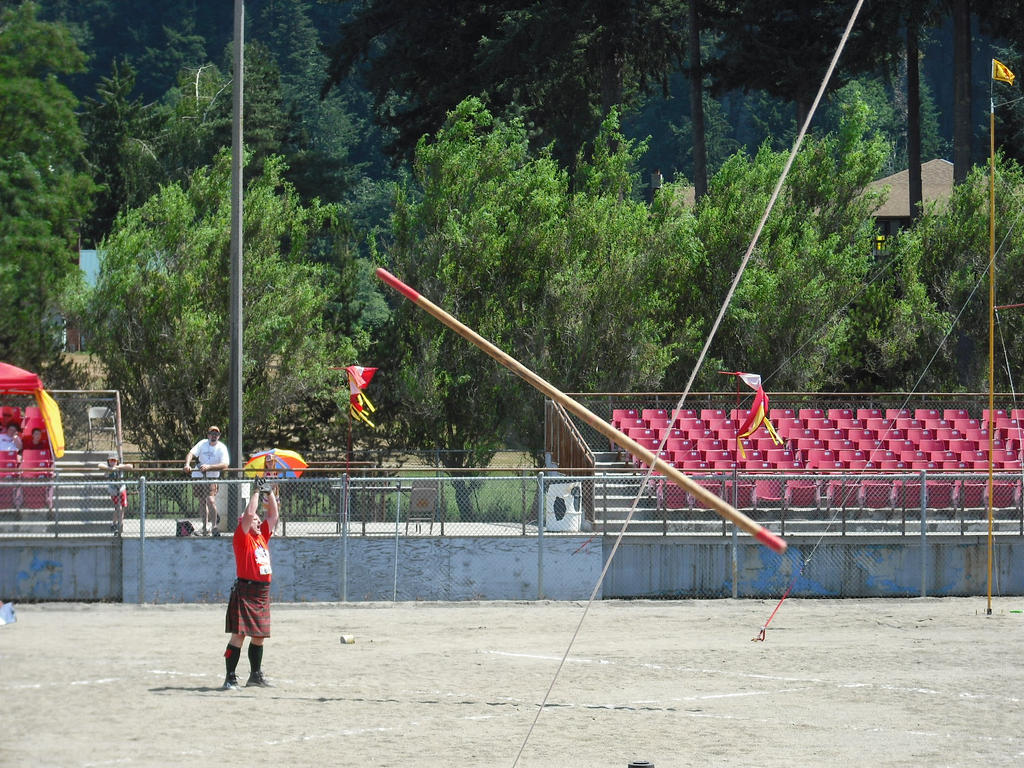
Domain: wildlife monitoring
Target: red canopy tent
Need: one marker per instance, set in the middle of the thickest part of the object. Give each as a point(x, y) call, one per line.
point(16, 381)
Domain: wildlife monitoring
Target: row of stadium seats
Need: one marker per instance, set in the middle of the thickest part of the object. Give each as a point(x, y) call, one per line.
point(889, 441)
point(863, 492)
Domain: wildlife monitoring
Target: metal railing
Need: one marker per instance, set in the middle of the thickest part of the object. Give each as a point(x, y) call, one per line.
point(437, 504)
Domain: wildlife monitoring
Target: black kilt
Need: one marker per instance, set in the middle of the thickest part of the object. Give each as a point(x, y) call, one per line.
point(249, 609)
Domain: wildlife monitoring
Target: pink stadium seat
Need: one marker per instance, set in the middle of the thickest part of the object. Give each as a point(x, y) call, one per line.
point(650, 443)
point(628, 424)
point(817, 424)
point(805, 444)
point(831, 434)
point(684, 413)
point(929, 465)
point(899, 446)
point(708, 444)
point(654, 413)
point(850, 455)
point(843, 492)
point(899, 413)
point(1005, 494)
point(640, 433)
point(870, 413)
point(787, 427)
point(740, 494)
point(727, 433)
point(955, 466)
point(620, 415)
point(821, 458)
point(961, 447)
point(908, 424)
point(1006, 459)
point(840, 445)
point(693, 465)
point(890, 465)
point(757, 465)
point(802, 493)
point(687, 457)
point(721, 459)
point(739, 415)
point(932, 446)
point(865, 439)
point(927, 414)
point(953, 414)
point(908, 494)
point(944, 457)
point(780, 414)
point(657, 424)
point(671, 433)
point(877, 493)
point(678, 443)
point(997, 413)
point(973, 493)
point(840, 413)
point(913, 455)
point(769, 493)
point(779, 455)
point(917, 434)
point(1017, 413)
point(948, 434)
point(880, 425)
point(811, 413)
point(941, 494)
point(36, 465)
point(965, 424)
point(714, 414)
point(673, 497)
point(852, 423)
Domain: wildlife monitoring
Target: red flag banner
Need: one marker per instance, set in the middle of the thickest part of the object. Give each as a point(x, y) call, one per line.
point(758, 415)
point(360, 406)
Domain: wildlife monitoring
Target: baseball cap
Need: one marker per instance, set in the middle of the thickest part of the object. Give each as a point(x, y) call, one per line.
point(214, 429)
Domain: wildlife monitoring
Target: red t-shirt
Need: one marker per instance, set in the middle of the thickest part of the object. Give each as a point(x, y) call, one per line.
point(252, 556)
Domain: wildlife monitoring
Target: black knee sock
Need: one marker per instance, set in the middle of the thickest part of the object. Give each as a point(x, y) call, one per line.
point(231, 656)
point(255, 656)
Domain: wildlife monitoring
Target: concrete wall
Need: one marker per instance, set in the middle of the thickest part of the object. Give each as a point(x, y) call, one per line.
point(816, 567)
point(172, 570)
point(313, 569)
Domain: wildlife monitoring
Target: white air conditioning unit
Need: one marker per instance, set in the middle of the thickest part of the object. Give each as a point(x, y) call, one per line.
point(563, 506)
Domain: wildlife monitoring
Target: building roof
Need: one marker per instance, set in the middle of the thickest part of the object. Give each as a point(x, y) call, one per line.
point(936, 185)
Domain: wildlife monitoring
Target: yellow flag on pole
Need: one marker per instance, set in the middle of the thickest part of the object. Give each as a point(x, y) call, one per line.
point(1001, 72)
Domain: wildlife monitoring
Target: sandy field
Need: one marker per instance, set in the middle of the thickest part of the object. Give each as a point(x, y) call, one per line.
point(920, 682)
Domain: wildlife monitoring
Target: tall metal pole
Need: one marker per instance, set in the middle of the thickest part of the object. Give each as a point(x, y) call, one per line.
point(237, 161)
point(991, 323)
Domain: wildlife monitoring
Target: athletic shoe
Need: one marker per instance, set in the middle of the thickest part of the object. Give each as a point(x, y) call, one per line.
point(216, 531)
point(230, 683)
point(258, 680)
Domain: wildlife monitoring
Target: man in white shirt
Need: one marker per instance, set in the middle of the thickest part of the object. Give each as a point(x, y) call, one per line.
point(213, 458)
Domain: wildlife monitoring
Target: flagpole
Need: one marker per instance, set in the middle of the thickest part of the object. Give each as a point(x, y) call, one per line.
point(991, 320)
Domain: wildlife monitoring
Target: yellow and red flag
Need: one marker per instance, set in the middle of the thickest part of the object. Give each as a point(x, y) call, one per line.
point(758, 415)
point(1001, 72)
point(359, 404)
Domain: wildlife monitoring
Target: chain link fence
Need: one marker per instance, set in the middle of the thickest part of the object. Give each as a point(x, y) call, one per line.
point(799, 503)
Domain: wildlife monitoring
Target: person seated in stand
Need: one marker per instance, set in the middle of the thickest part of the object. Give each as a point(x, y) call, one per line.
point(10, 440)
point(36, 441)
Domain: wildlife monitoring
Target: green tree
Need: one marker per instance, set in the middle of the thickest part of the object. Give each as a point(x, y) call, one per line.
point(158, 317)
point(565, 282)
point(561, 65)
point(789, 315)
point(44, 188)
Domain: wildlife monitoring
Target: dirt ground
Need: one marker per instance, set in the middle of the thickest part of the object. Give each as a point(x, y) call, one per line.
point(922, 682)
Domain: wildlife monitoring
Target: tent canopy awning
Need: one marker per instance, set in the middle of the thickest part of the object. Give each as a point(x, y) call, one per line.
point(17, 381)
